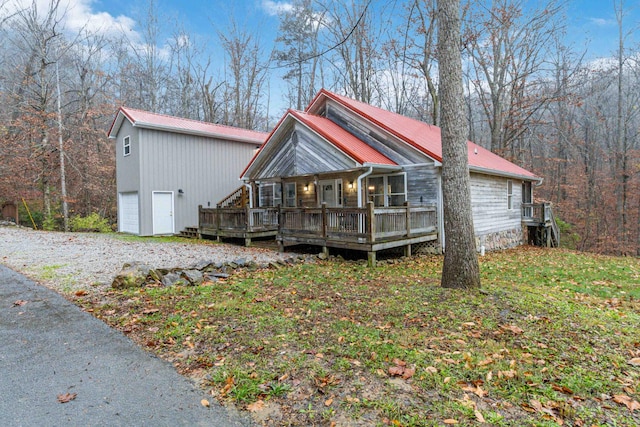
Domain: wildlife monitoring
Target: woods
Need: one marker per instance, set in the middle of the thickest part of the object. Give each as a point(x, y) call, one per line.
point(532, 94)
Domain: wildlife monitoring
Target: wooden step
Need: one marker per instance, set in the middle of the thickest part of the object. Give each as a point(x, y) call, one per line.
point(190, 233)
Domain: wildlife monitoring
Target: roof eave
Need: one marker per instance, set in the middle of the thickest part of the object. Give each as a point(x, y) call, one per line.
point(487, 171)
point(154, 126)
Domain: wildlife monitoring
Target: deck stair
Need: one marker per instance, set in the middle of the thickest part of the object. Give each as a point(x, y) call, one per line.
point(189, 232)
point(543, 228)
point(239, 198)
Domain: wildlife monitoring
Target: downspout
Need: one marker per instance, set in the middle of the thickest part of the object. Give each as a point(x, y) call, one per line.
point(360, 178)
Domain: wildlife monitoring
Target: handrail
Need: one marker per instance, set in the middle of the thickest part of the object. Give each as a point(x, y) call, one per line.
point(239, 194)
point(348, 224)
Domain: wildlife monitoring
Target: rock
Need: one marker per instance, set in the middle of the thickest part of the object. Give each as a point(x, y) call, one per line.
point(172, 279)
point(193, 277)
point(135, 275)
point(203, 265)
point(219, 275)
point(241, 262)
point(322, 256)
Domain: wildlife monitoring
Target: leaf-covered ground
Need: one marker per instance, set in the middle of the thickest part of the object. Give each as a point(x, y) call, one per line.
point(552, 338)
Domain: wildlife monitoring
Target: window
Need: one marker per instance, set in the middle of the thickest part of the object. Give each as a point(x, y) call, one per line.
point(509, 194)
point(290, 194)
point(126, 145)
point(270, 194)
point(387, 190)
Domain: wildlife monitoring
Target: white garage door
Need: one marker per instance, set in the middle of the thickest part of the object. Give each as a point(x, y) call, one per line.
point(129, 221)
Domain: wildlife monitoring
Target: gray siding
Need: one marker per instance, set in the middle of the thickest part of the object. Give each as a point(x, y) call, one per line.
point(127, 168)
point(384, 143)
point(206, 169)
point(489, 204)
point(302, 152)
point(422, 184)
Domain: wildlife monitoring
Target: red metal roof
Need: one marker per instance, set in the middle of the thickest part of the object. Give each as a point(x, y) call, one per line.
point(424, 137)
point(147, 119)
point(345, 141)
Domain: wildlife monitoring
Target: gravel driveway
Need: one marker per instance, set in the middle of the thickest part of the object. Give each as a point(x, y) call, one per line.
point(67, 262)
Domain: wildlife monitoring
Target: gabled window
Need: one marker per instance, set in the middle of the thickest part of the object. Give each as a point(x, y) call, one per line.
point(126, 145)
point(509, 194)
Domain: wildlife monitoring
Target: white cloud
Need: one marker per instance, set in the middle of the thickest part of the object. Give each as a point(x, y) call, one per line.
point(601, 22)
point(275, 8)
point(79, 14)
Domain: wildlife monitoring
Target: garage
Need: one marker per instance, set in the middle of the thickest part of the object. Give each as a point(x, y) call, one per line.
point(128, 217)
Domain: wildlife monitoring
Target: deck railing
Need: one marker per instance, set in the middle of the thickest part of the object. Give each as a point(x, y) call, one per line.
point(348, 224)
point(541, 214)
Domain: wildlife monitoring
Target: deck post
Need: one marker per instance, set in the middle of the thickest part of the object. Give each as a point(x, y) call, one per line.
point(216, 222)
point(407, 250)
point(371, 259)
point(407, 207)
point(324, 220)
point(371, 226)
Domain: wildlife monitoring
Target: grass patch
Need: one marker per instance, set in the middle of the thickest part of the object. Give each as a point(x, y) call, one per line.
point(548, 340)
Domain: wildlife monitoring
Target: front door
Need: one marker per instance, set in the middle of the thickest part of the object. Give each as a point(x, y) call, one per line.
point(331, 192)
point(163, 212)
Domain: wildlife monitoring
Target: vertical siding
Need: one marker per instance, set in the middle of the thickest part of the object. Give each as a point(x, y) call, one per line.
point(206, 169)
point(489, 204)
point(127, 168)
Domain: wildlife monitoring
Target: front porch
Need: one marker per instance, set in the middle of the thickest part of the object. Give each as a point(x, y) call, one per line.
point(541, 223)
point(367, 229)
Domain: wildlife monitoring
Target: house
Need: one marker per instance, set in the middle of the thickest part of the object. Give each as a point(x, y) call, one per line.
point(167, 166)
point(345, 174)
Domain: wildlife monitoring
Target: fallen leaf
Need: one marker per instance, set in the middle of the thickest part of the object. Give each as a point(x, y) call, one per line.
point(150, 311)
point(328, 402)
point(205, 403)
point(80, 293)
point(67, 397)
point(623, 399)
point(450, 421)
point(19, 302)
point(513, 329)
point(479, 416)
point(634, 362)
point(431, 370)
point(255, 406)
point(408, 373)
point(396, 371)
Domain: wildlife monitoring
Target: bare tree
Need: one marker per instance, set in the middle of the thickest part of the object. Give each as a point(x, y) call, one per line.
point(298, 51)
point(508, 45)
point(247, 75)
point(460, 269)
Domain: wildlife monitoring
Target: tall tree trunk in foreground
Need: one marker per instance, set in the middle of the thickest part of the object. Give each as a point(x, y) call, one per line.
point(460, 268)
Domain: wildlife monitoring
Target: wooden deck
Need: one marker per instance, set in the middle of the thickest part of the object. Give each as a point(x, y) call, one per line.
point(363, 229)
point(541, 221)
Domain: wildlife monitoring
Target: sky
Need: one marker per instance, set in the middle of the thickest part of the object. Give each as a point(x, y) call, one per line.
point(591, 24)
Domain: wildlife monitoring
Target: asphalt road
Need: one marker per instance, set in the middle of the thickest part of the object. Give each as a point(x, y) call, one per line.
point(49, 347)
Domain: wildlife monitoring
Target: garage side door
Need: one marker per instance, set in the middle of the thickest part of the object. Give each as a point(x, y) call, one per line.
point(128, 218)
point(163, 212)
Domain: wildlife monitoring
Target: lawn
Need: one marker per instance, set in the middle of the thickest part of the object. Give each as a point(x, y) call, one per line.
point(552, 338)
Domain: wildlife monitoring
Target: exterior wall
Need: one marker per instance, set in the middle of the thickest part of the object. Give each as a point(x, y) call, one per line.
point(206, 169)
point(422, 184)
point(127, 168)
point(496, 226)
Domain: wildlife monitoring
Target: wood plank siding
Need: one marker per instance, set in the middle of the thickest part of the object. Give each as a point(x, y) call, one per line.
point(489, 202)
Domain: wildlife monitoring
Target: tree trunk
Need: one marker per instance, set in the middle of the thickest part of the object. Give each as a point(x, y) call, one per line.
point(460, 268)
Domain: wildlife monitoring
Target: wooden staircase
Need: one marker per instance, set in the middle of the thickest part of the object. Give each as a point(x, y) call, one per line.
point(238, 199)
point(543, 229)
point(190, 233)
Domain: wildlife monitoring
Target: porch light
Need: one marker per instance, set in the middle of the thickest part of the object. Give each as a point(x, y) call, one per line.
point(372, 187)
point(306, 187)
point(350, 186)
